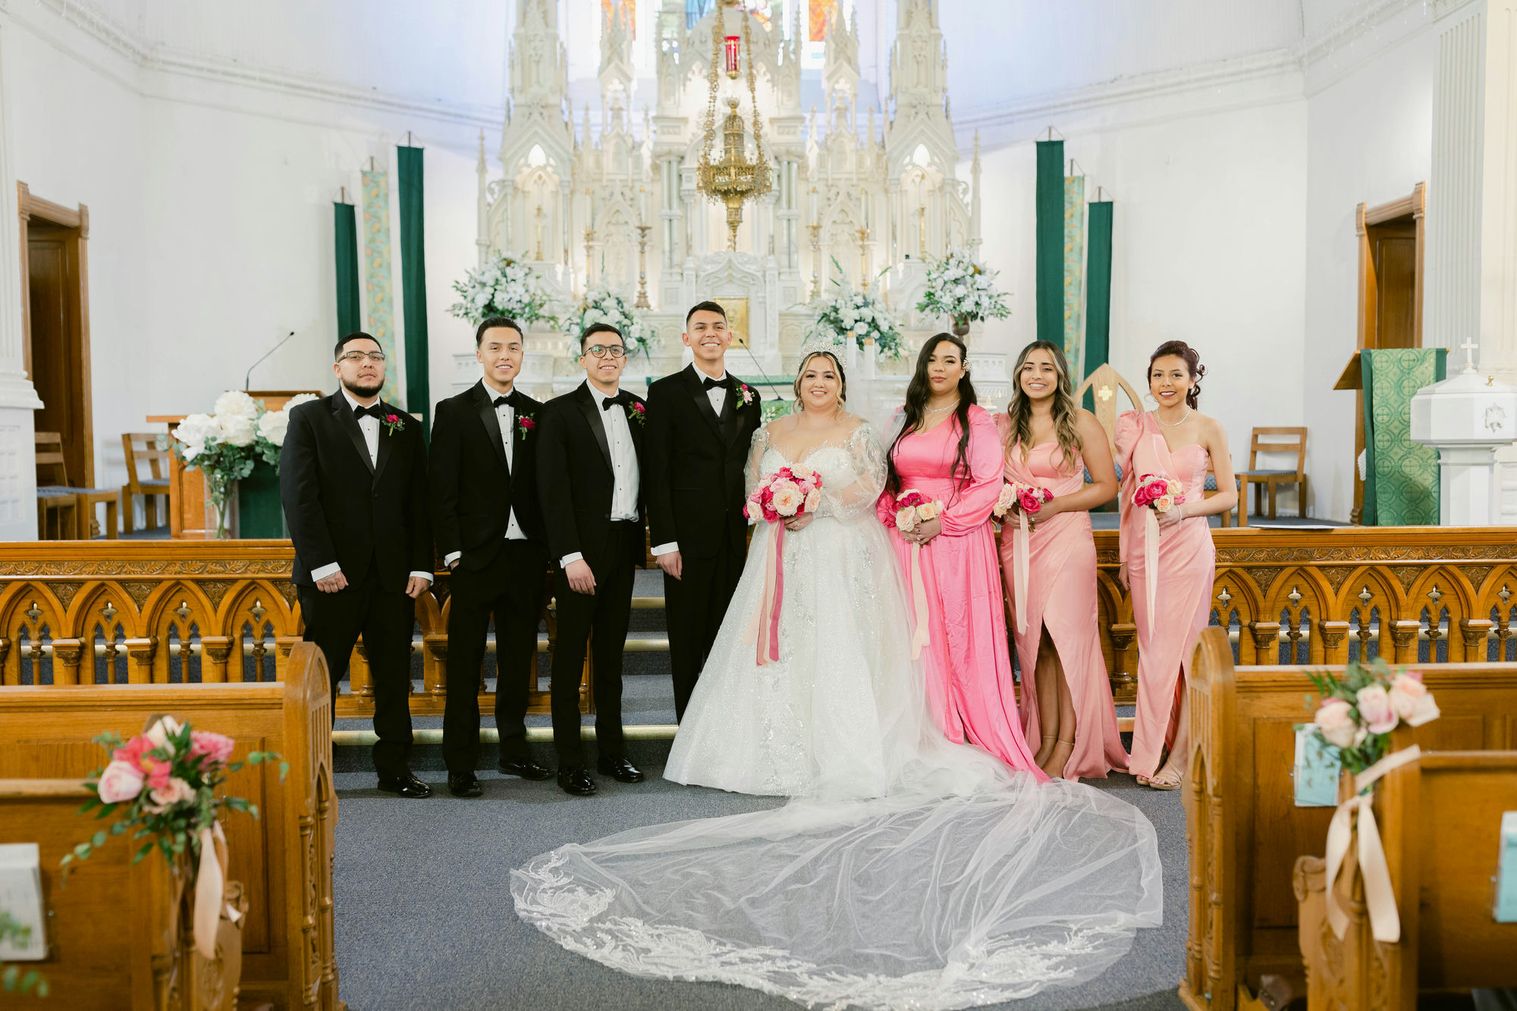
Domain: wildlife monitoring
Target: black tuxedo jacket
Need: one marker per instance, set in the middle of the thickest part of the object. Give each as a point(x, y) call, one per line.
point(370, 519)
point(473, 488)
point(575, 480)
point(696, 460)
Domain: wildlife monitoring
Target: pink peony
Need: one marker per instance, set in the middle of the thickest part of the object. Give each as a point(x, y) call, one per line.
point(1164, 503)
point(787, 500)
point(906, 518)
point(813, 500)
point(175, 791)
point(1375, 709)
point(211, 748)
point(928, 511)
point(1336, 722)
point(120, 782)
point(1411, 700)
point(160, 732)
point(1005, 500)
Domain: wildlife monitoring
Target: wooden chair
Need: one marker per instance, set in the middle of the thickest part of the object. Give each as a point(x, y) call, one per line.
point(52, 482)
point(1277, 441)
point(140, 448)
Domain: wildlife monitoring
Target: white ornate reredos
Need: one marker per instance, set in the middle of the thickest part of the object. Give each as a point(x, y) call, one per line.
point(572, 186)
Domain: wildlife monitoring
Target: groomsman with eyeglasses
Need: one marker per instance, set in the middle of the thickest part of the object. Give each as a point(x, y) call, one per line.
point(353, 480)
point(490, 534)
point(589, 470)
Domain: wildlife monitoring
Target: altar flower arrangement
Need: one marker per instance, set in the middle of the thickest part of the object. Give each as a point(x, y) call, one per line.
point(229, 442)
point(161, 788)
point(1359, 710)
point(785, 494)
point(602, 305)
point(857, 316)
point(503, 287)
point(963, 290)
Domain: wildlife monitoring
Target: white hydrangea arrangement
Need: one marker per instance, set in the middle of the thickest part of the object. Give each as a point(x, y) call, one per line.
point(602, 305)
point(506, 287)
point(857, 315)
point(227, 444)
point(962, 289)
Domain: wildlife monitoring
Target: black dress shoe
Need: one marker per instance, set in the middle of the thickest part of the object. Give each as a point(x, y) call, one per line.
point(464, 784)
point(575, 780)
point(405, 786)
point(527, 769)
point(620, 770)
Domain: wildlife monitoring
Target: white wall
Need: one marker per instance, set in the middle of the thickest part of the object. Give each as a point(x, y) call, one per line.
point(1207, 239)
point(1370, 140)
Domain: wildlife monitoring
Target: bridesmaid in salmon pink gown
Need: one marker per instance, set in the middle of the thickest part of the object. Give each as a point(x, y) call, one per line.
point(1067, 711)
point(1179, 442)
point(948, 449)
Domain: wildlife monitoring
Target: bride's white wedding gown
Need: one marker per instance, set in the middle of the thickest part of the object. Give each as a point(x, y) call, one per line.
point(909, 872)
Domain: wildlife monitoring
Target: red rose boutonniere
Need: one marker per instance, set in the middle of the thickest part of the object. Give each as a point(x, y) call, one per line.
point(525, 425)
point(393, 423)
point(749, 395)
point(637, 412)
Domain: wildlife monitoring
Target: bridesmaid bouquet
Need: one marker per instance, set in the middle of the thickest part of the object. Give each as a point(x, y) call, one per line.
point(1025, 500)
point(912, 507)
point(788, 492)
point(909, 509)
point(1159, 492)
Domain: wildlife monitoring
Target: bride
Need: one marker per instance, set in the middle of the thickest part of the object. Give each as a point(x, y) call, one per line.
point(908, 871)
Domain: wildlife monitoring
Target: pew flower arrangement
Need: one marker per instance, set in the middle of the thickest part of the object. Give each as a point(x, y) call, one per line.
point(602, 305)
point(1359, 710)
point(504, 287)
point(161, 788)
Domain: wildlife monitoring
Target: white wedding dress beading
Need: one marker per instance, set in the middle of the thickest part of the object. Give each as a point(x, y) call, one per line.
point(909, 872)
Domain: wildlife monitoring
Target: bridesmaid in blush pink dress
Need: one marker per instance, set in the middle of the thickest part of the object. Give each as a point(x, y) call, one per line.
point(948, 449)
point(1067, 711)
point(1179, 442)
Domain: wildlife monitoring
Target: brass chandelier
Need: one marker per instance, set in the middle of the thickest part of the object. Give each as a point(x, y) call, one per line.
point(735, 178)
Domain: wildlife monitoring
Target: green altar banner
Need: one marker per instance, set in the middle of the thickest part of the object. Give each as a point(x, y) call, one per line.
point(413, 282)
point(1050, 241)
point(1400, 476)
point(345, 240)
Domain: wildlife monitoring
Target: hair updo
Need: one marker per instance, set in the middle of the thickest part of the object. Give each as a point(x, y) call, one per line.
point(1180, 349)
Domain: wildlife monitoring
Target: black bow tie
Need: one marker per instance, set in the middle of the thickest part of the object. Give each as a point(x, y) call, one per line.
point(621, 398)
point(509, 400)
point(712, 384)
point(372, 411)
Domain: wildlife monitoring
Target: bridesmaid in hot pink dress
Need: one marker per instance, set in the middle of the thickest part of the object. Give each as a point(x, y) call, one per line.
point(1180, 442)
point(1067, 711)
point(948, 450)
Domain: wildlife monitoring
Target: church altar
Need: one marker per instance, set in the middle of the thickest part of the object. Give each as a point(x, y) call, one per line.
point(604, 198)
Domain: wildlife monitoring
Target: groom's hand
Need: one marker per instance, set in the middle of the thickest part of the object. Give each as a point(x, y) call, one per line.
point(672, 564)
point(581, 579)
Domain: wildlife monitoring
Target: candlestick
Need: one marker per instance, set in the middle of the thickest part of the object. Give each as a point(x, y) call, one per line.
point(642, 268)
point(816, 259)
point(864, 259)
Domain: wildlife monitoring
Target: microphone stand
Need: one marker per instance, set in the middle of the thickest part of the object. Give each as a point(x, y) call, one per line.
point(260, 361)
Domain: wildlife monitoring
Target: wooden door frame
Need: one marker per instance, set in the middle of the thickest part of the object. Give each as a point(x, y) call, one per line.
point(1366, 217)
point(29, 208)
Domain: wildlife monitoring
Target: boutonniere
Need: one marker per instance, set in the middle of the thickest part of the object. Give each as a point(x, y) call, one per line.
point(637, 412)
point(393, 423)
point(525, 425)
point(747, 392)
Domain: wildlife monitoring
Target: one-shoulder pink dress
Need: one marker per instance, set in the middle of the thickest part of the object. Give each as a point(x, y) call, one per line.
point(1186, 570)
point(1061, 596)
point(970, 688)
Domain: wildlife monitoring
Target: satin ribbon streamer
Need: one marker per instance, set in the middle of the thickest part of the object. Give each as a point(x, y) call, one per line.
point(1150, 557)
point(922, 633)
point(1379, 896)
point(1021, 546)
point(210, 889)
point(767, 631)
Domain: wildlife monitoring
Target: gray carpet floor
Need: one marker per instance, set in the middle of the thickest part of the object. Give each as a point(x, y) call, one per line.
point(424, 914)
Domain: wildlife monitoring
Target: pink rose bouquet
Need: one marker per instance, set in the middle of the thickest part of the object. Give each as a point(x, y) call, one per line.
point(785, 494)
point(1360, 708)
point(1159, 492)
point(911, 508)
point(1027, 499)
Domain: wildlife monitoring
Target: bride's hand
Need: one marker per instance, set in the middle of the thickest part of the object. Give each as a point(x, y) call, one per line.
point(800, 522)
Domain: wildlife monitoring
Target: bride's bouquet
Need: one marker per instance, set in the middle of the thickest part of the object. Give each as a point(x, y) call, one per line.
point(787, 493)
point(1025, 500)
point(909, 510)
point(1155, 494)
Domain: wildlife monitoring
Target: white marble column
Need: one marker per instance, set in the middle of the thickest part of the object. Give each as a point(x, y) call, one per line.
point(1498, 237)
point(18, 398)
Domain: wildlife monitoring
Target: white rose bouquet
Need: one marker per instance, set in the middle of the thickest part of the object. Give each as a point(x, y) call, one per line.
point(962, 289)
point(602, 305)
point(855, 315)
point(507, 287)
point(228, 443)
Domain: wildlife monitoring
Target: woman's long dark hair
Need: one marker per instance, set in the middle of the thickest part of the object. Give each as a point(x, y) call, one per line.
point(1193, 365)
point(917, 393)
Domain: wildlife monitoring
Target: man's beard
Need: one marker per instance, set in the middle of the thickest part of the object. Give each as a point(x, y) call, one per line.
point(362, 391)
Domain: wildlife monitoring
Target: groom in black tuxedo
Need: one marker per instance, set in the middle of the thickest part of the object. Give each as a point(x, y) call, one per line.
point(353, 480)
point(700, 423)
point(490, 534)
point(589, 479)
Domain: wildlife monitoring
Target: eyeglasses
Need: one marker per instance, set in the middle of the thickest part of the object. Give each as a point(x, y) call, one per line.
point(602, 350)
point(354, 357)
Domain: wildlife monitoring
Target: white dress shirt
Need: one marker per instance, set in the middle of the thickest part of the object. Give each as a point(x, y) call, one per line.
point(369, 426)
point(507, 418)
point(718, 397)
point(623, 463)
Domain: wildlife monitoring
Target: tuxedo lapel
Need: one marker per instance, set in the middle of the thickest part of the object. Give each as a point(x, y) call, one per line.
point(345, 420)
point(589, 406)
point(693, 383)
point(386, 438)
point(484, 404)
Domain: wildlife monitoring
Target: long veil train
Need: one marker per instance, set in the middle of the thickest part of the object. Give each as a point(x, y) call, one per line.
point(964, 884)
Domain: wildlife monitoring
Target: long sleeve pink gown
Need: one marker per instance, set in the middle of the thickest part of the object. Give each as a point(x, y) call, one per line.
point(970, 690)
point(1186, 569)
point(1061, 596)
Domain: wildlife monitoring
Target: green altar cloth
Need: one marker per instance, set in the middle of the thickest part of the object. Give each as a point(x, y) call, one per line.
point(1401, 476)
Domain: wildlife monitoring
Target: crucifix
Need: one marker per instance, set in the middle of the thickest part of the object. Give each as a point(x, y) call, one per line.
point(1469, 348)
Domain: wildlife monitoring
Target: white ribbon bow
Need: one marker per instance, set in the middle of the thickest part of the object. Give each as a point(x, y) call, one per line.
point(1379, 896)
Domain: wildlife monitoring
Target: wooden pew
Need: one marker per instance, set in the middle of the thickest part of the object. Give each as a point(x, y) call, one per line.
point(283, 858)
point(1439, 822)
point(1244, 832)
